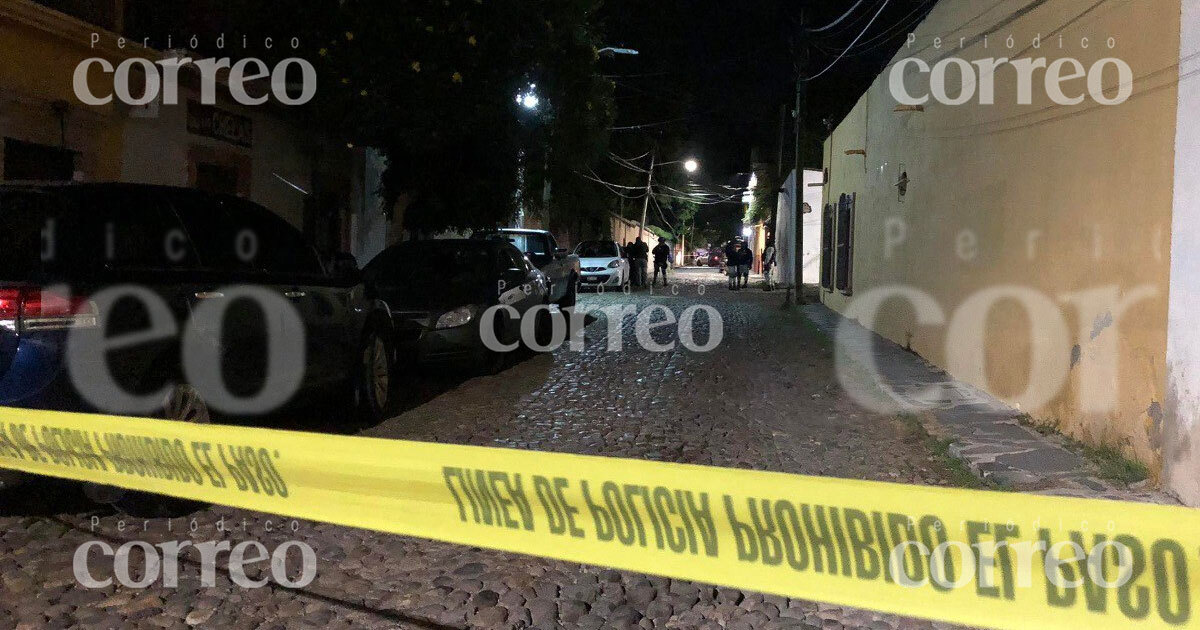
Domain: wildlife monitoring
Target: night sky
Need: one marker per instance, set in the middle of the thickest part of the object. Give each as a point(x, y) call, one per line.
point(711, 72)
point(726, 67)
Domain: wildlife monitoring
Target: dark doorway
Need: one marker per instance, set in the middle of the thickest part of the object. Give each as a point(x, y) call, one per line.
point(216, 178)
point(27, 161)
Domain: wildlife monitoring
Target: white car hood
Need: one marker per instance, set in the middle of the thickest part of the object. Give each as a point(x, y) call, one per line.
point(596, 262)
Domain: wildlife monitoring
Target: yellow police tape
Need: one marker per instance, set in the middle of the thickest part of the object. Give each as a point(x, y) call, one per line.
point(995, 559)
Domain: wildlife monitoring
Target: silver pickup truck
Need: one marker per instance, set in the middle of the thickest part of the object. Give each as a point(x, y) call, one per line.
point(559, 265)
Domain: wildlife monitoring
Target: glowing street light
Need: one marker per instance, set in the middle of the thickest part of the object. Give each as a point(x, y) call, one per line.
point(614, 50)
point(691, 165)
point(529, 98)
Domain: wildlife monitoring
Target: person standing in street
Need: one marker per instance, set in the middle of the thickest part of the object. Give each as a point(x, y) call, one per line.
point(745, 259)
point(731, 264)
point(768, 260)
point(641, 254)
point(662, 252)
point(627, 254)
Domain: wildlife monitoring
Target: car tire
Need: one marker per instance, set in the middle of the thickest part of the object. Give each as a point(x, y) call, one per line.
point(543, 329)
point(572, 295)
point(373, 377)
point(183, 403)
point(489, 362)
point(492, 363)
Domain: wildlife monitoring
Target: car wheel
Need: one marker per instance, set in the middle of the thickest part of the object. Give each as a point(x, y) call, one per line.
point(572, 295)
point(183, 403)
point(373, 382)
point(491, 362)
point(543, 328)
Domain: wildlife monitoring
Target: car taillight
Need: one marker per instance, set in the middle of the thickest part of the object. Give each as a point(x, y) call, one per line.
point(10, 307)
point(39, 309)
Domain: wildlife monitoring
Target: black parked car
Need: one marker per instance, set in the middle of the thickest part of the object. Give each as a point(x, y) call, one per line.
point(178, 250)
point(439, 291)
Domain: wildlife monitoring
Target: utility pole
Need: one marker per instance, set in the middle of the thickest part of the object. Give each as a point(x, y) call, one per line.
point(646, 201)
point(782, 137)
point(801, 142)
point(646, 208)
point(783, 116)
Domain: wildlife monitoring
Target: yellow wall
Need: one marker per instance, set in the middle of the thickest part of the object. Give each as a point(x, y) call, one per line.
point(40, 51)
point(1089, 186)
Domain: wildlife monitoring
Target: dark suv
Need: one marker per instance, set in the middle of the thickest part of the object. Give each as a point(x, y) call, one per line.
point(125, 272)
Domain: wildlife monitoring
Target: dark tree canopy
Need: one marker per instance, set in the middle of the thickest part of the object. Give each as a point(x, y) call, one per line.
point(433, 84)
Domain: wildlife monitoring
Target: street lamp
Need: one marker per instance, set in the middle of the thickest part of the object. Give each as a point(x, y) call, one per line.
point(529, 98)
point(690, 165)
point(612, 50)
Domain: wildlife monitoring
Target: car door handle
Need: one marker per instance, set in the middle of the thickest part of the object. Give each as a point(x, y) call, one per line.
point(209, 295)
point(294, 294)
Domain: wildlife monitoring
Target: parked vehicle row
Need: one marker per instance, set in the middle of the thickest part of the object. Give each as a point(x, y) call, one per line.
point(158, 301)
point(133, 268)
point(118, 259)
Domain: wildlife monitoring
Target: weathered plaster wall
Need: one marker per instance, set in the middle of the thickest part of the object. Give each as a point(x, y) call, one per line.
point(1181, 452)
point(1054, 199)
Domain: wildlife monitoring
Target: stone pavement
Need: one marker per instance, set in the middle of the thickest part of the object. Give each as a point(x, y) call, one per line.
point(765, 399)
point(986, 432)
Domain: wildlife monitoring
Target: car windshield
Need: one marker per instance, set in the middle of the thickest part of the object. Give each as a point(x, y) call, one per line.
point(598, 249)
point(31, 227)
point(425, 273)
point(526, 242)
point(434, 260)
point(73, 233)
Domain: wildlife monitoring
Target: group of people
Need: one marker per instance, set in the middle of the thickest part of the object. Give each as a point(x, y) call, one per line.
point(638, 253)
point(739, 258)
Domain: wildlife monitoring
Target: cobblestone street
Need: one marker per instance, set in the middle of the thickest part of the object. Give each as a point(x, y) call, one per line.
point(766, 398)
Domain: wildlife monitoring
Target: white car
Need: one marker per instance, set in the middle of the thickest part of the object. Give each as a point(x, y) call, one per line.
point(601, 264)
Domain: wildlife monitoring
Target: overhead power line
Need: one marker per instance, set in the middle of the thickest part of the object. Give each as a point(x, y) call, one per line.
point(852, 44)
point(620, 161)
point(653, 124)
point(905, 23)
point(854, 23)
point(663, 216)
point(839, 20)
point(613, 188)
